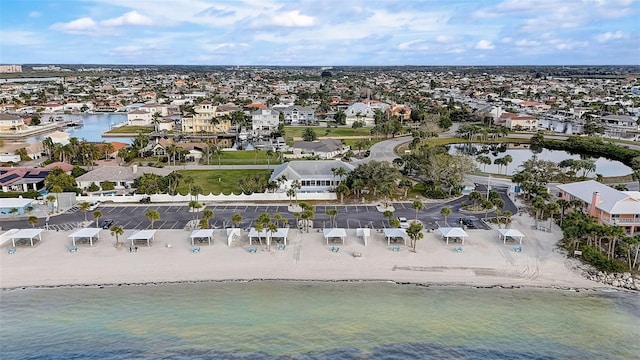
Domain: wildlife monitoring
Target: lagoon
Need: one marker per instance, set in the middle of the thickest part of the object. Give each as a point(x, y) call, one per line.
point(521, 154)
point(91, 130)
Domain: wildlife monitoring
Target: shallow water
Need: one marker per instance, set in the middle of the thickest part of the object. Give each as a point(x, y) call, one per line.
point(264, 320)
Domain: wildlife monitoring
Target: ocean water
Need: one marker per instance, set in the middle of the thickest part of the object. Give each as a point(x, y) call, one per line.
point(290, 320)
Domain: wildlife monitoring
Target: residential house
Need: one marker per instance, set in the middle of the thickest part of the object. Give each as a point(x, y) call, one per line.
point(623, 126)
point(298, 115)
point(518, 122)
point(325, 148)
point(264, 121)
point(122, 176)
point(139, 117)
point(10, 122)
point(205, 121)
point(400, 111)
point(606, 204)
point(364, 112)
point(313, 175)
point(22, 179)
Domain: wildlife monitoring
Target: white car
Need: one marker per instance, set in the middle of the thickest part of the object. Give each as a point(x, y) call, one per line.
point(94, 205)
point(404, 223)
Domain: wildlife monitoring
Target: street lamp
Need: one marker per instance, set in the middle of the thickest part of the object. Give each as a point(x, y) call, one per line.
point(488, 186)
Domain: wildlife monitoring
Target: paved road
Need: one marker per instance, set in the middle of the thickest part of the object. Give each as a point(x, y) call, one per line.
point(384, 150)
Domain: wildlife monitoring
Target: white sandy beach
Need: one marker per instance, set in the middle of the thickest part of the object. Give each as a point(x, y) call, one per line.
point(484, 261)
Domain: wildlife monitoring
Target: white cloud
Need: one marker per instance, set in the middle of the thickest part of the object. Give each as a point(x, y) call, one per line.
point(609, 36)
point(224, 47)
point(78, 26)
point(35, 14)
point(130, 18)
point(484, 45)
point(292, 19)
point(414, 45)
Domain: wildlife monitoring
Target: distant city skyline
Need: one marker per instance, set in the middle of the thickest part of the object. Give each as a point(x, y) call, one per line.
point(318, 33)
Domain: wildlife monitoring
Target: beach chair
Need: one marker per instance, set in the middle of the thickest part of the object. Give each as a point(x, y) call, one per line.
point(11, 251)
point(253, 250)
point(335, 249)
point(195, 249)
point(280, 247)
point(457, 249)
point(72, 249)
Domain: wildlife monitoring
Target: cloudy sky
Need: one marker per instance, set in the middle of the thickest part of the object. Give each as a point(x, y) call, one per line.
point(321, 32)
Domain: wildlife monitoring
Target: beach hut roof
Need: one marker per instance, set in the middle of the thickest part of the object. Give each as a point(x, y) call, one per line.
point(85, 233)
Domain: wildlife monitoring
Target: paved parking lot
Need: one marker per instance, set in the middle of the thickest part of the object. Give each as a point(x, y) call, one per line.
point(178, 216)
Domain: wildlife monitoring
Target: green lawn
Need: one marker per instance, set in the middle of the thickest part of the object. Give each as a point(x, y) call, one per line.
point(243, 157)
point(219, 181)
point(296, 131)
point(126, 129)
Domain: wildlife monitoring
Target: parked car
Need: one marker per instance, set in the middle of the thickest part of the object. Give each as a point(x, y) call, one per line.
point(404, 223)
point(145, 200)
point(106, 223)
point(468, 223)
point(94, 205)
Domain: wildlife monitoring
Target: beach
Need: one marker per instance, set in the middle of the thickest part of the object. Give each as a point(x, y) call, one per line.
point(483, 261)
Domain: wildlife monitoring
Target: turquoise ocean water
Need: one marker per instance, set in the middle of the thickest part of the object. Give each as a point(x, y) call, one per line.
point(289, 320)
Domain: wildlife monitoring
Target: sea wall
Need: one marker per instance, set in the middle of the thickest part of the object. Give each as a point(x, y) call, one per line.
point(622, 280)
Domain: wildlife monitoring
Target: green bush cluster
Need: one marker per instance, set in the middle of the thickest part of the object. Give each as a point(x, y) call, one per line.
point(599, 260)
point(593, 146)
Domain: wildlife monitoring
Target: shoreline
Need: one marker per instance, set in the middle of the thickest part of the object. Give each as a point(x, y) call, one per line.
point(320, 281)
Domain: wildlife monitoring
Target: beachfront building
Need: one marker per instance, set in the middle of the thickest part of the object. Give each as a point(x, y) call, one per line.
point(313, 175)
point(606, 204)
point(298, 115)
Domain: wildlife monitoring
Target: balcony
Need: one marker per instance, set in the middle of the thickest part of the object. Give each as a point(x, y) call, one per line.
point(621, 221)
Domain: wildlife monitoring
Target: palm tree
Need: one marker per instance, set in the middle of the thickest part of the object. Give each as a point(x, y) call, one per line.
point(194, 206)
point(50, 199)
point(217, 151)
point(207, 214)
point(236, 219)
point(417, 205)
point(97, 215)
point(552, 208)
point(564, 204)
point(271, 228)
point(33, 221)
point(445, 212)
point(153, 216)
point(269, 154)
point(333, 213)
point(341, 190)
point(506, 160)
point(415, 233)
point(57, 190)
point(475, 196)
point(117, 231)
point(484, 160)
point(84, 207)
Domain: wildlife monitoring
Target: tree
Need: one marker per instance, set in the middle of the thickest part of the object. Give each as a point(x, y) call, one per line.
point(484, 160)
point(415, 233)
point(117, 231)
point(445, 212)
point(341, 190)
point(57, 190)
point(475, 196)
point(153, 216)
point(308, 134)
point(506, 160)
point(333, 213)
point(340, 117)
point(236, 219)
point(50, 200)
point(417, 205)
point(194, 206)
point(33, 221)
point(207, 214)
point(84, 207)
point(97, 215)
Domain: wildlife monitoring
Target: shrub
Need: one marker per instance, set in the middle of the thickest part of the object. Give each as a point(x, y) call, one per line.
point(435, 193)
point(599, 260)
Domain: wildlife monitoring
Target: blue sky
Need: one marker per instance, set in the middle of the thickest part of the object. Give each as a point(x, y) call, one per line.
point(321, 32)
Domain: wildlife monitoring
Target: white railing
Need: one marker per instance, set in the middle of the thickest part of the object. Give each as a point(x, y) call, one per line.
point(165, 198)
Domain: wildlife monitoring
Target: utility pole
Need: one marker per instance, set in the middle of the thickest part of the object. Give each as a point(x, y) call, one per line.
point(488, 186)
